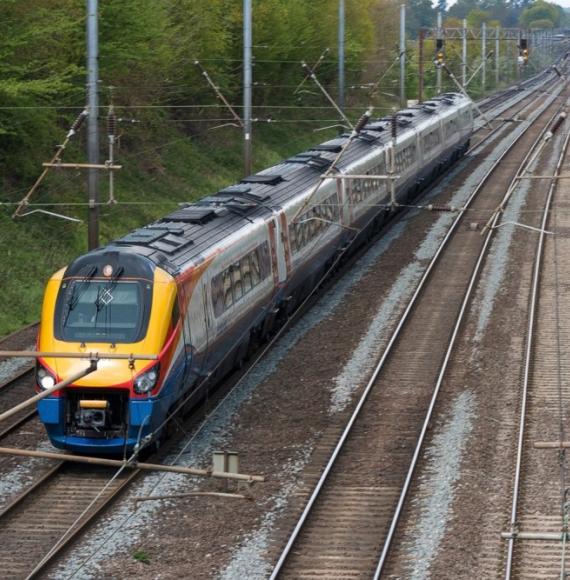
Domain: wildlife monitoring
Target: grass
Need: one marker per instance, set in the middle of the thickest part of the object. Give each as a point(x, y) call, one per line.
point(141, 556)
point(161, 168)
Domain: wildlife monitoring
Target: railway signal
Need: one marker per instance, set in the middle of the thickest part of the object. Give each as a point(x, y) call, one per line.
point(523, 51)
point(440, 54)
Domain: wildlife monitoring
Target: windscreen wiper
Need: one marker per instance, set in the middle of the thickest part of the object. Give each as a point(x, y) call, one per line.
point(77, 291)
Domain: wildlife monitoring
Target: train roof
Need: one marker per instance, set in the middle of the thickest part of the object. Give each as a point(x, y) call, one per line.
point(187, 233)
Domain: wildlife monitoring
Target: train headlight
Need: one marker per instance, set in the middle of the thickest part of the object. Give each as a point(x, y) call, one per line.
point(146, 381)
point(44, 378)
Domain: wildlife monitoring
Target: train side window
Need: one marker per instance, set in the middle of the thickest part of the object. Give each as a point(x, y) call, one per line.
point(218, 294)
point(246, 274)
point(315, 223)
point(237, 283)
point(315, 220)
point(228, 295)
point(293, 237)
point(255, 272)
point(264, 260)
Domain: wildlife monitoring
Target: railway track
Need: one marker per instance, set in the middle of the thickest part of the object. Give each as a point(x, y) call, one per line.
point(17, 389)
point(540, 500)
point(17, 378)
point(38, 524)
point(348, 523)
point(34, 510)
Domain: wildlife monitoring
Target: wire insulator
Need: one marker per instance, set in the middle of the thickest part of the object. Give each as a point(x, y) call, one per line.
point(111, 123)
point(79, 121)
point(362, 121)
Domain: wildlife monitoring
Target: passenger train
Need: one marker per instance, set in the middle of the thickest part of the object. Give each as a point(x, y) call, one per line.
point(201, 287)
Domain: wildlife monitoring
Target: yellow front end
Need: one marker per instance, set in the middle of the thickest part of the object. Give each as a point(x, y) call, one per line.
point(122, 401)
point(109, 373)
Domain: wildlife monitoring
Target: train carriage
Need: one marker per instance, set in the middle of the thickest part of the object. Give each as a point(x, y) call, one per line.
point(202, 286)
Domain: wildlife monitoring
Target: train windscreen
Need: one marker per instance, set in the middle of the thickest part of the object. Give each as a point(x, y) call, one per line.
point(102, 311)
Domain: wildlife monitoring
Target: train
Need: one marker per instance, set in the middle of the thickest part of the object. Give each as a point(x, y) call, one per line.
point(201, 288)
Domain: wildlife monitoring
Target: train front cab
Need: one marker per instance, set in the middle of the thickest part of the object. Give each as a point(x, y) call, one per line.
point(96, 310)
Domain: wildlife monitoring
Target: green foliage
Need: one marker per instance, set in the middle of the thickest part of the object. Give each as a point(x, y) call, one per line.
point(540, 11)
point(420, 14)
point(174, 150)
point(141, 556)
point(541, 23)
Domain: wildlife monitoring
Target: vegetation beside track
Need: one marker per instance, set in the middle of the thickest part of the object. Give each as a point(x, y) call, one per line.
point(35, 246)
point(169, 146)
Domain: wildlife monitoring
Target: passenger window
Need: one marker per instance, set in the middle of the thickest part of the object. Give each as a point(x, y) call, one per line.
point(293, 237)
point(246, 274)
point(228, 296)
point(236, 281)
point(218, 294)
point(264, 260)
point(255, 273)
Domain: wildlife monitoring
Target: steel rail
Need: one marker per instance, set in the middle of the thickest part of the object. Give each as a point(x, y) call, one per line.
point(80, 524)
point(500, 126)
point(15, 377)
point(18, 423)
point(394, 337)
point(38, 483)
point(76, 529)
point(15, 333)
point(467, 297)
point(81, 521)
point(25, 417)
point(528, 359)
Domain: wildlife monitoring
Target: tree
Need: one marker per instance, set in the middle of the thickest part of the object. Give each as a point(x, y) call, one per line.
point(420, 14)
point(540, 11)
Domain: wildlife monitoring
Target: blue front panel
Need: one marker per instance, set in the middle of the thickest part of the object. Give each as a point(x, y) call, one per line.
point(144, 417)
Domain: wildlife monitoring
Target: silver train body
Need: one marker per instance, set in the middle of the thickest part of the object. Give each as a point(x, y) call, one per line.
point(296, 233)
point(240, 261)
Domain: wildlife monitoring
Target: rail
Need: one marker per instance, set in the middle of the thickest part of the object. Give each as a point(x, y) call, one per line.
point(394, 337)
point(528, 362)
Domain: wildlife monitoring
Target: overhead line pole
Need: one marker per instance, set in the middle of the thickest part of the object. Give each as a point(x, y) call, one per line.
point(464, 54)
point(341, 32)
point(497, 56)
point(421, 65)
point(403, 100)
point(483, 56)
point(247, 83)
point(439, 37)
point(92, 123)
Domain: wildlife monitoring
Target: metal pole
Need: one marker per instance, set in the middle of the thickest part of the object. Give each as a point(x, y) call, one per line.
point(403, 100)
point(464, 54)
point(497, 57)
point(438, 71)
point(483, 56)
point(421, 65)
point(517, 54)
point(46, 392)
point(89, 460)
point(92, 123)
point(247, 82)
point(341, 54)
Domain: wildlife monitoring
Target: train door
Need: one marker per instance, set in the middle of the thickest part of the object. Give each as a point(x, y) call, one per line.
point(344, 191)
point(197, 329)
point(181, 309)
point(278, 261)
point(285, 247)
